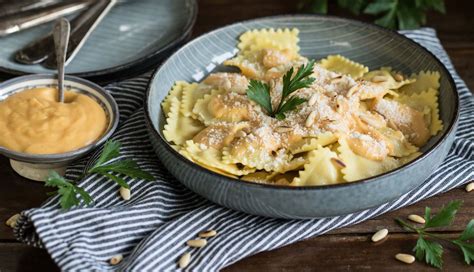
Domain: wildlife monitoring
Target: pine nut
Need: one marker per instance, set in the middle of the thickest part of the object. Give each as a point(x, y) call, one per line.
point(116, 259)
point(470, 187)
point(405, 258)
point(336, 79)
point(184, 260)
point(377, 79)
point(125, 193)
point(416, 218)
point(197, 243)
point(379, 235)
point(241, 134)
point(11, 222)
point(207, 233)
point(398, 77)
point(312, 100)
point(338, 162)
point(310, 119)
point(283, 129)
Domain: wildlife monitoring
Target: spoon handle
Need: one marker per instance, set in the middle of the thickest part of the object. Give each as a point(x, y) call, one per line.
point(61, 38)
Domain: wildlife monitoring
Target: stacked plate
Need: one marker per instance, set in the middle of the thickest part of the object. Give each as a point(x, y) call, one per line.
point(132, 38)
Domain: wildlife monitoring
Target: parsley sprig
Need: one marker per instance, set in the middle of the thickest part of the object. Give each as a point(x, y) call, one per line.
point(431, 251)
point(259, 91)
point(71, 194)
point(401, 14)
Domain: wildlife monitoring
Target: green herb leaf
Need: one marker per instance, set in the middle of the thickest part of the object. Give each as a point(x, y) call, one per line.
point(401, 14)
point(377, 7)
point(71, 195)
point(111, 151)
point(260, 93)
point(67, 191)
point(444, 217)
point(127, 167)
point(290, 104)
point(468, 233)
point(314, 6)
point(300, 80)
point(431, 252)
point(467, 250)
point(120, 181)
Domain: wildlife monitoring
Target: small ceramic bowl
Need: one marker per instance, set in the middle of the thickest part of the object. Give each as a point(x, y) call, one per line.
point(37, 166)
point(319, 36)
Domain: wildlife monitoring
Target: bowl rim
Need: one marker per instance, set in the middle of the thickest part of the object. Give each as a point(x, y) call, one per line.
point(133, 67)
point(49, 158)
point(452, 123)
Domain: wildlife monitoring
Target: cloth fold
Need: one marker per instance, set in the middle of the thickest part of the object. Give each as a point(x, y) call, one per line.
point(151, 229)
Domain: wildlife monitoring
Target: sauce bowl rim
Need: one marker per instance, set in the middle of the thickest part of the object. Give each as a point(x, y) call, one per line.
point(70, 155)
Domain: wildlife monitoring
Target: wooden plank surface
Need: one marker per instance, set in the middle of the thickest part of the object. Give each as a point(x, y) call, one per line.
point(346, 249)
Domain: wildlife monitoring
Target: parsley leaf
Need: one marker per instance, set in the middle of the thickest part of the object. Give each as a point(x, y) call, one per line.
point(468, 233)
point(289, 105)
point(127, 167)
point(467, 250)
point(260, 93)
point(314, 6)
point(431, 252)
point(444, 217)
point(71, 195)
point(69, 192)
point(401, 14)
point(300, 80)
point(111, 151)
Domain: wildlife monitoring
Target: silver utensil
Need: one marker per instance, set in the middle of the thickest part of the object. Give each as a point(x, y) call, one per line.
point(12, 7)
point(61, 32)
point(81, 27)
point(86, 24)
point(23, 20)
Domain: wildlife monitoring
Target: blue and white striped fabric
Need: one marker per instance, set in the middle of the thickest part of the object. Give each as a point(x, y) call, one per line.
point(150, 230)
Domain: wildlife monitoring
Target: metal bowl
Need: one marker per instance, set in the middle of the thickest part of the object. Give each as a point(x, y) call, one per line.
point(319, 36)
point(42, 163)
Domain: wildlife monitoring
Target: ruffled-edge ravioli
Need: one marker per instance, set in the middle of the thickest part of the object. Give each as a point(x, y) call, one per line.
point(279, 39)
point(251, 44)
point(259, 176)
point(423, 82)
point(358, 167)
point(176, 91)
point(390, 82)
point(190, 94)
point(401, 146)
point(212, 158)
point(201, 109)
point(308, 144)
point(342, 65)
point(260, 159)
point(426, 102)
point(320, 169)
point(188, 156)
point(180, 128)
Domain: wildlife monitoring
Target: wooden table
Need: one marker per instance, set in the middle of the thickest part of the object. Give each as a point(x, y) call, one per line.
point(345, 249)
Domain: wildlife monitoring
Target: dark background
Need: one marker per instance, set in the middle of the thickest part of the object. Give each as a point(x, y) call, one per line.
point(347, 249)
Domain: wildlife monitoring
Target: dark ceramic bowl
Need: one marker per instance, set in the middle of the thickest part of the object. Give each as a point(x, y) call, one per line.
point(319, 37)
point(93, 90)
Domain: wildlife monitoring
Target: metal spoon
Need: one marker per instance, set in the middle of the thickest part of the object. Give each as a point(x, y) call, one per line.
point(81, 27)
point(61, 32)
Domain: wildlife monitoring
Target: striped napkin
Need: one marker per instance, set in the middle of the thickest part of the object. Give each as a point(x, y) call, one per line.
point(150, 230)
